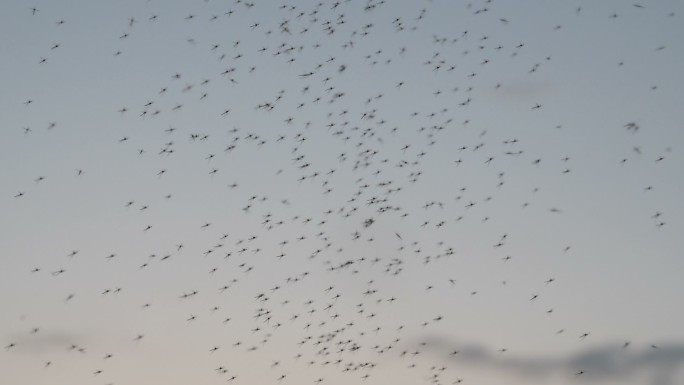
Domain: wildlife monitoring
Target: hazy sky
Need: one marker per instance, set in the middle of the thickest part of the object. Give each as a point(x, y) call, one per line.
point(380, 192)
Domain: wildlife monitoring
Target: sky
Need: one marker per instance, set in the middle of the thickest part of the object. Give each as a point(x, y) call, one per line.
point(341, 192)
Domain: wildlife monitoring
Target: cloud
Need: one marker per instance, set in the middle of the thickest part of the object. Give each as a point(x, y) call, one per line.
point(663, 364)
point(46, 341)
point(525, 90)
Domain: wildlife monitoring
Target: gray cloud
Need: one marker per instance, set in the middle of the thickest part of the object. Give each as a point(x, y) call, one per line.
point(663, 364)
point(46, 341)
point(525, 90)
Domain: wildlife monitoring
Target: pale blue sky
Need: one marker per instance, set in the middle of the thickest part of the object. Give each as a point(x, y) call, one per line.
point(571, 187)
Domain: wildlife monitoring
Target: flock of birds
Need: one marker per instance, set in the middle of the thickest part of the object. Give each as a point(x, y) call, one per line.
point(304, 193)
